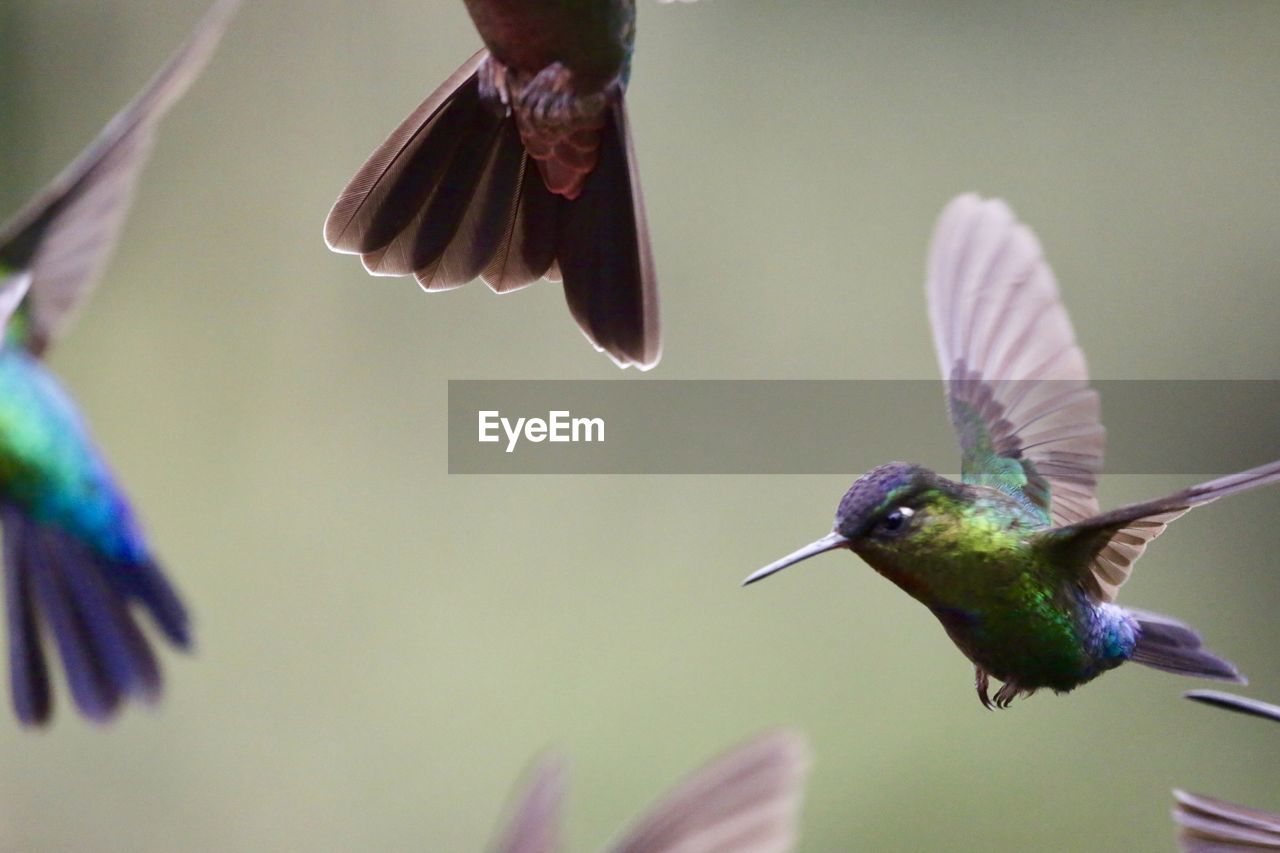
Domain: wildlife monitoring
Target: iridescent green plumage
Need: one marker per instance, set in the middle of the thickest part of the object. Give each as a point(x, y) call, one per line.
point(1015, 560)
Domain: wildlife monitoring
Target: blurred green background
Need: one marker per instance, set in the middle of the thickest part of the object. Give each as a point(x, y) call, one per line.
point(383, 648)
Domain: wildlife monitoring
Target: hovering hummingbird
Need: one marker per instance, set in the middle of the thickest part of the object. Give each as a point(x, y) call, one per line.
point(1207, 825)
point(75, 558)
point(521, 167)
point(1015, 560)
point(745, 801)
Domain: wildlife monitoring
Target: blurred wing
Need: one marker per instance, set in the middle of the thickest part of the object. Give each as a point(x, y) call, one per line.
point(1206, 824)
point(744, 802)
point(1109, 544)
point(65, 235)
point(1239, 704)
point(534, 824)
point(1017, 386)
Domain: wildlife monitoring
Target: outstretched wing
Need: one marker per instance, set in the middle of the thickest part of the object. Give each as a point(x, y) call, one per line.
point(1017, 386)
point(534, 824)
point(1109, 544)
point(64, 236)
point(744, 802)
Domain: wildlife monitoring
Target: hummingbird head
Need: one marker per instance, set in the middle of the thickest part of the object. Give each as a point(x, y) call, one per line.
point(877, 517)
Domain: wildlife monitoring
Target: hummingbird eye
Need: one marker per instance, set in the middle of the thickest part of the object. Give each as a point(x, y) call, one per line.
point(896, 521)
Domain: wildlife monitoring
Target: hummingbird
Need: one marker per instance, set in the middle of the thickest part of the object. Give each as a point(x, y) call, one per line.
point(520, 167)
point(1207, 825)
point(1015, 560)
point(75, 556)
point(745, 801)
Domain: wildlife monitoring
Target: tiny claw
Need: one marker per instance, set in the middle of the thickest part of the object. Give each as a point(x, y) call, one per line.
point(980, 682)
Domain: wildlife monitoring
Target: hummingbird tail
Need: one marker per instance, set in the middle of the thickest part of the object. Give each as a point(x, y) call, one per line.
point(454, 195)
point(1167, 644)
point(83, 600)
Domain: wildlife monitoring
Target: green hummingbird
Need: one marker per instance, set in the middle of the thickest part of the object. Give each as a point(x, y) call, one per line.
point(1015, 560)
point(745, 801)
point(1208, 825)
point(521, 167)
point(75, 558)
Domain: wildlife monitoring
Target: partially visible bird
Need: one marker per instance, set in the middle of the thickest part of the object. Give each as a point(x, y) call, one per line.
point(521, 167)
point(75, 558)
point(1015, 560)
point(745, 801)
point(1206, 825)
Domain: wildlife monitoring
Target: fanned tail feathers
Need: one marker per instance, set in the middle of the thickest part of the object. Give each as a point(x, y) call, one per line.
point(82, 599)
point(453, 195)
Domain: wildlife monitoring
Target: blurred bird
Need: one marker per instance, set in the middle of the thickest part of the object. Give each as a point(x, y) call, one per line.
point(746, 801)
point(1207, 825)
point(521, 167)
point(75, 558)
point(1015, 560)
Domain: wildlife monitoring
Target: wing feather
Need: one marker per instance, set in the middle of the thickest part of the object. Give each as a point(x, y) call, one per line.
point(1239, 704)
point(65, 235)
point(534, 824)
point(1110, 543)
point(744, 802)
point(1017, 383)
point(1207, 824)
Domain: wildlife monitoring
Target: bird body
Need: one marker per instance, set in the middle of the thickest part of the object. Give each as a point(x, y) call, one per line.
point(75, 558)
point(593, 39)
point(520, 167)
point(975, 560)
point(50, 467)
point(1015, 560)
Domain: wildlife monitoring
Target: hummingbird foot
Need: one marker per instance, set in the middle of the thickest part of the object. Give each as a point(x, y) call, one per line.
point(1010, 691)
point(1004, 696)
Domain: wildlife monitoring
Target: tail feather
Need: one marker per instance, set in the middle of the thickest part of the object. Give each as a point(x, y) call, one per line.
point(487, 220)
point(350, 223)
point(1170, 645)
point(28, 671)
point(417, 216)
point(603, 250)
point(527, 250)
point(122, 651)
point(83, 599)
point(145, 583)
point(94, 693)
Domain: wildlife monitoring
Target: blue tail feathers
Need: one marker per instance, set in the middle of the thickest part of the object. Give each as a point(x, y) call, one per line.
point(83, 600)
point(1167, 644)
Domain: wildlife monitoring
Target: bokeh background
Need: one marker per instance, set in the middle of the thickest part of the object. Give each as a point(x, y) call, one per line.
point(383, 647)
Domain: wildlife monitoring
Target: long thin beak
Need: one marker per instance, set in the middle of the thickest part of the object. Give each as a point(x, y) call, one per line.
point(830, 542)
